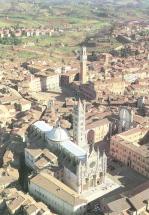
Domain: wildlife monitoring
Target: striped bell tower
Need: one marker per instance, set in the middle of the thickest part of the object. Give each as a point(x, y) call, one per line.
point(79, 133)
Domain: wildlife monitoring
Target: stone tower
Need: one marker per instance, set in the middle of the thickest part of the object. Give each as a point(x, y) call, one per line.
point(83, 66)
point(79, 134)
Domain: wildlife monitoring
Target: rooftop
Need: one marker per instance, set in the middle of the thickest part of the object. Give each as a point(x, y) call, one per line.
point(6, 180)
point(98, 122)
point(57, 188)
point(138, 200)
point(119, 205)
point(74, 149)
point(44, 127)
point(58, 134)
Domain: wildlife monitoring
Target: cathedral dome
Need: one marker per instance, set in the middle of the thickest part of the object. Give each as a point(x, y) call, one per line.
point(58, 134)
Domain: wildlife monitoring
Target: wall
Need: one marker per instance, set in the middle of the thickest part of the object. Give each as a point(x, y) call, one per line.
point(70, 179)
point(61, 207)
point(130, 158)
point(50, 82)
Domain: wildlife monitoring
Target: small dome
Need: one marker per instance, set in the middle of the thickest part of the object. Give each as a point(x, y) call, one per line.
point(58, 134)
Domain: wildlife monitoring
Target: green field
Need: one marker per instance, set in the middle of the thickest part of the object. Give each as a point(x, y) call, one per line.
point(83, 18)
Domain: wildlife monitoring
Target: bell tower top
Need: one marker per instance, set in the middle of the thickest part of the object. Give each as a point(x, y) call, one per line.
point(83, 54)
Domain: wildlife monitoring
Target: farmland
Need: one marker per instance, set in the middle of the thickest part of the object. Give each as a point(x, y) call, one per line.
point(78, 21)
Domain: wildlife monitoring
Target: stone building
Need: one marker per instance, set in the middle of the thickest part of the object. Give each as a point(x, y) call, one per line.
point(134, 202)
point(49, 82)
point(34, 84)
point(131, 148)
point(57, 195)
point(93, 88)
point(81, 168)
point(15, 202)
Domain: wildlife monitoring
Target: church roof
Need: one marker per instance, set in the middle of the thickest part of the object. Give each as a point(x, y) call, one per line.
point(74, 149)
point(44, 127)
point(51, 185)
point(58, 134)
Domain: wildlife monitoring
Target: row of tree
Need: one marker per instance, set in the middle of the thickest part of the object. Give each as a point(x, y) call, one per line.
point(10, 41)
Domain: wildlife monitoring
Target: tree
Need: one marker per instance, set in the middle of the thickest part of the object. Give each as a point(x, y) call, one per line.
point(13, 40)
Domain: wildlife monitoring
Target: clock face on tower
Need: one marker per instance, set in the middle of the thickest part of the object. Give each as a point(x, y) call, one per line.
point(92, 164)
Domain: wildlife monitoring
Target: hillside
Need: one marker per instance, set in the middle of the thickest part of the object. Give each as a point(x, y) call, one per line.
point(85, 19)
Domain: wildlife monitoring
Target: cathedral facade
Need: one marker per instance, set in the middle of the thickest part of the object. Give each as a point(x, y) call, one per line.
point(89, 173)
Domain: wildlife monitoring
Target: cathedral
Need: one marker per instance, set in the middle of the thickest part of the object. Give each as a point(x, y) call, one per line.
point(82, 166)
point(92, 171)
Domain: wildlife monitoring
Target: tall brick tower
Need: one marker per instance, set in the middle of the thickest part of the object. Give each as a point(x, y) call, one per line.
point(83, 66)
